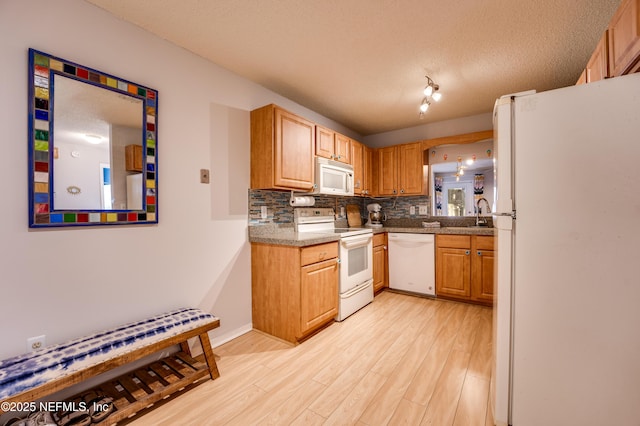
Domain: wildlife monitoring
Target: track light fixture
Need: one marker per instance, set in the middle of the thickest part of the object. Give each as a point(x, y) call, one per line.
point(431, 94)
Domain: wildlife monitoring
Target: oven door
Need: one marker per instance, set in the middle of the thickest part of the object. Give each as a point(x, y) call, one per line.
point(356, 261)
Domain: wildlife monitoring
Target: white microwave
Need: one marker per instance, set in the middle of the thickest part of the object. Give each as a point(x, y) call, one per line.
point(333, 177)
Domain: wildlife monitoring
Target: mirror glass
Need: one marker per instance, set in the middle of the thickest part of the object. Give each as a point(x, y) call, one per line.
point(460, 176)
point(92, 141)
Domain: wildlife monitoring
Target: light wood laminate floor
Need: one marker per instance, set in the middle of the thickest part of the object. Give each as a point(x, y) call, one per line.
point(400, 360)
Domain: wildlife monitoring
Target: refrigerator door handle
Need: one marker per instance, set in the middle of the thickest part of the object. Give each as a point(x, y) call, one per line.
point(511, 214)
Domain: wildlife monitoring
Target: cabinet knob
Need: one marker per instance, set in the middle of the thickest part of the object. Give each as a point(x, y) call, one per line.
point(479, 253)
point(402, 191)
point(395, 192)
point(384, 247)
point(467, 252)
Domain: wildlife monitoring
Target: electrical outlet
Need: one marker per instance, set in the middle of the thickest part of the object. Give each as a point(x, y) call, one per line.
point(423, 209)
point(204, 175)
point(412, 210)
point(263, 212)
point(35, 343)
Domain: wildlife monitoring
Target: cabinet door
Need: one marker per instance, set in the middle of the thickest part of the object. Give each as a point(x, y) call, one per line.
point(387, 171)
point(324, 142)
point(318, 294)
point(294, 147)
point(598, 65)
point(133, 158)
point(410, 168)
point(624, 39)
point(367, 161)
point(357, 160)
point(482, 276)
point(379, 267)
point(342, 149)
point(453, 272)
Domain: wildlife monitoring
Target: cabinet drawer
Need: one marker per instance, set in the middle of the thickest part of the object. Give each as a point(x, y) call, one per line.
point(379, 240)
point(454, 241)
point(318, 253)
point(484, 242)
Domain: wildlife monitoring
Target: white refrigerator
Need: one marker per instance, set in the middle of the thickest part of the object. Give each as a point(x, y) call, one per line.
point(567, 286)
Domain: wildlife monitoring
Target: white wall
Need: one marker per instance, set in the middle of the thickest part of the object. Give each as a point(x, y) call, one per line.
point(198, 255)
point(456, 126)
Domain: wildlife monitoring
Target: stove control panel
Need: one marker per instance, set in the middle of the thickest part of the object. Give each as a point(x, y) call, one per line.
point(313, 215)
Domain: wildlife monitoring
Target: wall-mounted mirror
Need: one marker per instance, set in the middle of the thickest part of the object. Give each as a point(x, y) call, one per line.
point(92, 146)
point(460, 176)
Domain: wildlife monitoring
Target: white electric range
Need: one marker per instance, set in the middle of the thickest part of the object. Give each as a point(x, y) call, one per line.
point(355, 254)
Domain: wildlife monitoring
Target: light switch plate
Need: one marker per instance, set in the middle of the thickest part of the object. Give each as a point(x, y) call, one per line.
point(423, 209)
point(412, 210)
point(204, 175)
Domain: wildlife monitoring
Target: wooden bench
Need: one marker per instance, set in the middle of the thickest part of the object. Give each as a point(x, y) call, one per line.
point(33, 376)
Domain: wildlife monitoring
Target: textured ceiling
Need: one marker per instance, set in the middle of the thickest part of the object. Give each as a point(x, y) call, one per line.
point(362, 62)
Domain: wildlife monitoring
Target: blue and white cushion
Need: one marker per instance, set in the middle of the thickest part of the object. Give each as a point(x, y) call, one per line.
point(26, 371)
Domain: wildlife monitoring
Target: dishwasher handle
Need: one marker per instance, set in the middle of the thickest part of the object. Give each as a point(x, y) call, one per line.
point(411, 240)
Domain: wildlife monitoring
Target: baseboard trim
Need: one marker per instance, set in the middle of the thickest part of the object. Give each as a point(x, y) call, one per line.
point(230, 335)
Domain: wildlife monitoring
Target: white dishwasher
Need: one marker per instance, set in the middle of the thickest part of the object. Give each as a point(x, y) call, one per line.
point(412, 263)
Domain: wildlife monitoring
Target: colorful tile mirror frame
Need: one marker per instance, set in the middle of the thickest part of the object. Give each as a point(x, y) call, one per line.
point(46, 73)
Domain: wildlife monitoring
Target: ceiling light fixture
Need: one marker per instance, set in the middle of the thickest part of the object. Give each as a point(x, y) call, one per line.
point(430, 94)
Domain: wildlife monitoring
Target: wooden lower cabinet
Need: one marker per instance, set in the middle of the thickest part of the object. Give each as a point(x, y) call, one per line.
point(294, 290)
point(380, 262)
point(482, 269)
point(464, 268)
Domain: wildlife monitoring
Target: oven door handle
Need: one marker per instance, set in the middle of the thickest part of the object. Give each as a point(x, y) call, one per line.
point(356, 241)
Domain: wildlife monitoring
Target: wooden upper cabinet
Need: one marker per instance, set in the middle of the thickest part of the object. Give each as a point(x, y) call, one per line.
point(624, 39)
point(598, 66)
point(357, 160)
point(332, 145)
point(133, 158)
point(400, 169)
point(410, 161)
point(282, 150)
point(367, 164)
point(387, 171)
point(325, 140)
point(361, 157)
point(342, 149)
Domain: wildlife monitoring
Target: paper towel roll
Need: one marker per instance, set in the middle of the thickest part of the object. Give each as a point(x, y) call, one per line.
point(302, 201)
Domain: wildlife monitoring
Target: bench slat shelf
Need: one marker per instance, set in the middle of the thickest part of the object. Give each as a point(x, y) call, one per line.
point(140, 389)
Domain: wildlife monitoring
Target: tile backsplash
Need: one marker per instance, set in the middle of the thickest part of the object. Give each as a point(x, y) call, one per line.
point(280, 212)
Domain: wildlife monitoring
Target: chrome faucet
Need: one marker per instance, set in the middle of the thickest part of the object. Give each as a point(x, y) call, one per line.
point(484, 219)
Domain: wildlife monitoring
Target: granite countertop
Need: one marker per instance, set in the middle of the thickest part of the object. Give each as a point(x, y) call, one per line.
point(288, 237)
point(457, 230)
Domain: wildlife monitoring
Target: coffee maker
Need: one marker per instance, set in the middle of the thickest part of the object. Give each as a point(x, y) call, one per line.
point(375, 216)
